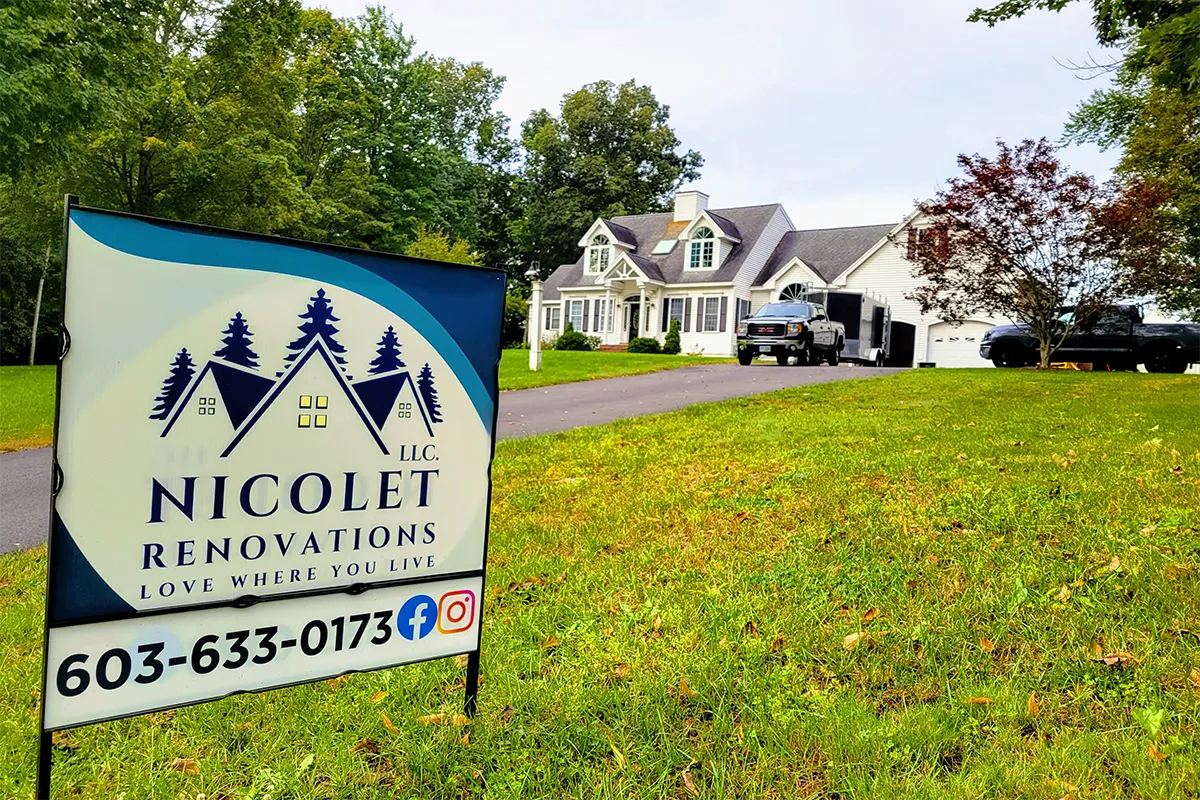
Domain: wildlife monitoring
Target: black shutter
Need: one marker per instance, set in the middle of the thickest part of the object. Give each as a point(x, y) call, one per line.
point(586, 303)
point(666, 315)
point(724, 313)
point(700, 314)
point(596, 315)
point(687, 315)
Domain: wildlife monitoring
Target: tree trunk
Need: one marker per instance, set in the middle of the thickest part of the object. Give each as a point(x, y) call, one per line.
point(1043, 355)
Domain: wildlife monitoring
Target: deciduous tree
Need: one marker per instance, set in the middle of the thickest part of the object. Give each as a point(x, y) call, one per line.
point(610, 151)
point(1021, 236)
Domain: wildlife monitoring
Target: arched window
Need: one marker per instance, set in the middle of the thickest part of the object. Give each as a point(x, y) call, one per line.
point(794, 292)
point(701, 252)
point(598, 255)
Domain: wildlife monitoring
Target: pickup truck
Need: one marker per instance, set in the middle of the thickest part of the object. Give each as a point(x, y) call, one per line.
point(786, 330)
point(1117, 338)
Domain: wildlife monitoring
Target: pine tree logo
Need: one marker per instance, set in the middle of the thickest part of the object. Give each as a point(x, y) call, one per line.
point(320, 323)
point(388, 359)
point(182, 370)
point(237, 344)
point(429, 394)
point(228, 388)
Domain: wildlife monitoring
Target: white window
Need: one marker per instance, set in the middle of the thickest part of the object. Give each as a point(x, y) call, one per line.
point(598, 254)
point(675, 311)
point(711, 314)
point(553, 317)
point(575, 314)
point(700, 252)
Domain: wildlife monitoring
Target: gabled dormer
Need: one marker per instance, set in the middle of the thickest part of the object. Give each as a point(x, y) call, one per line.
point(707, 240)
point(602, 243)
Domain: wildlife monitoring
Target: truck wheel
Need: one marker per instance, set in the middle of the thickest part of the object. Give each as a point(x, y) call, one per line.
point(1008, 356)
point(835, 355)
point(1166, 359)
point(745, 357)
point(782, 359)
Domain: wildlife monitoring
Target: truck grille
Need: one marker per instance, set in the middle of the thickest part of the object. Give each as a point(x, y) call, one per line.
point(765, 329)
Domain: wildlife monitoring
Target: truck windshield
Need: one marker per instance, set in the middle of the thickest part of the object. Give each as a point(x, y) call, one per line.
point(801, 310)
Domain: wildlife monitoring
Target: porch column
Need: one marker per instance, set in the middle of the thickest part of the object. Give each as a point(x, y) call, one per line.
point(642, 322)
point(609, 311)
point(535, 322)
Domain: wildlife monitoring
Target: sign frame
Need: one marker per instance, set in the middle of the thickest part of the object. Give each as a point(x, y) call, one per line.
point(57, 480)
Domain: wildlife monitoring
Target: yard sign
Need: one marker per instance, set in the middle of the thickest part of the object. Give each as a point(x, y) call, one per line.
point(272, 465)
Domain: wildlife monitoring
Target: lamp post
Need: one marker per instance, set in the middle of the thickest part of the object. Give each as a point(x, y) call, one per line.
point(535, 320)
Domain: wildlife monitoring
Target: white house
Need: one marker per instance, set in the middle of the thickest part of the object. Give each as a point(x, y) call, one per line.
point(709, 268)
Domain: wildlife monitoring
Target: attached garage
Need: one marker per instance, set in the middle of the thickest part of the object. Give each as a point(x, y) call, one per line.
point(956, 346)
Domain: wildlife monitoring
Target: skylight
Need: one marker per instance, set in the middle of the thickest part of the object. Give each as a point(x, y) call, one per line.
point(663, 247)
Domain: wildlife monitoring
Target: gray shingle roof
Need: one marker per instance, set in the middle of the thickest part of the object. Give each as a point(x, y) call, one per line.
point(623, 234)
point(727, 227)
point(747, 223)
point(827, 251)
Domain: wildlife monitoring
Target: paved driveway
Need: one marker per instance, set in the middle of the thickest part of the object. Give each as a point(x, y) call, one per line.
point(25, 475)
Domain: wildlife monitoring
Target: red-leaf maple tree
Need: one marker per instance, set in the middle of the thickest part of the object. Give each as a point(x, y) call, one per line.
point(1023, 237)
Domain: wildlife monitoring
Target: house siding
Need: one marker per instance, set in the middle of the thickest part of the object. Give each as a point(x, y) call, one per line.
point(761, 251)
point(887, 274)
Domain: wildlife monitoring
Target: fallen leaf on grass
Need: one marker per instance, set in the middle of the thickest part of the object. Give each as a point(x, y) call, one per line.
point(1064, 594)
point(777, 644)
point(466, 739)
point(459, 720)
point(618, 672)
point(751, 628)
point(1114, 565)
point(981, 701)
point(366, 746)
point(461, 660)
point(506, 714)
point(688, 784)
point(851, 640)
point(375, 698)
point(1032, 707)
point(551, 642)
point(1194, 676)
point(987, 645)
point(428, 719)
point(188, 766)
point(387, 723)
point(1119, 659)
point(871, 614)
point(338, 681)
point(962, 456)
point(1155, 753)
point(686, 692)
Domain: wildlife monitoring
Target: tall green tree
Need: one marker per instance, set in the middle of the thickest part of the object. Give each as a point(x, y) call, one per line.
point(609, 151)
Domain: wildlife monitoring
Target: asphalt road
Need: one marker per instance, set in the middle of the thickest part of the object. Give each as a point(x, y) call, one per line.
point(25, 475)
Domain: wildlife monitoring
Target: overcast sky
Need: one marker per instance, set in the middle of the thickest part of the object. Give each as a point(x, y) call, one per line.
point(846, 111)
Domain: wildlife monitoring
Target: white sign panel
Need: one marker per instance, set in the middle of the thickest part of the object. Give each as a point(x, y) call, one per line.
point(243, 417)
point(141, 664)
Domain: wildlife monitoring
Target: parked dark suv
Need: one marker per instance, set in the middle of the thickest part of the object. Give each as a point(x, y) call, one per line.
point(800, 331)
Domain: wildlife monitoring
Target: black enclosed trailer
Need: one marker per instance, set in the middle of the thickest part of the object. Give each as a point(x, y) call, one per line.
point(868, 323)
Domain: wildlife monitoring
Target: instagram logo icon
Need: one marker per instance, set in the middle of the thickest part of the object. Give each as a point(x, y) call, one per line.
point(456, 611)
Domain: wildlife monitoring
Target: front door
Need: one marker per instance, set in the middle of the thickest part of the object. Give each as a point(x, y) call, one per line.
point(632, 310)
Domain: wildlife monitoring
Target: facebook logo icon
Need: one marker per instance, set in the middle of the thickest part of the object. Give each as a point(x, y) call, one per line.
point(417, 617)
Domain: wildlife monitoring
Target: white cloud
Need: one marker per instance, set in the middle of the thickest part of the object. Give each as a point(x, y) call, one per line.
point(845, 111)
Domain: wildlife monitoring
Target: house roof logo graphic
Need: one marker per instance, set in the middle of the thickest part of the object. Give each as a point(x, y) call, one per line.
point(246, 394)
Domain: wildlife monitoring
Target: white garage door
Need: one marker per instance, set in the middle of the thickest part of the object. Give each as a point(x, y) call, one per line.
point(951, 346)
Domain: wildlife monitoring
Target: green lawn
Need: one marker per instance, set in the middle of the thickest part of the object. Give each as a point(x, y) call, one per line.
point(568, 366)
point(26, 407)
point(902, 587)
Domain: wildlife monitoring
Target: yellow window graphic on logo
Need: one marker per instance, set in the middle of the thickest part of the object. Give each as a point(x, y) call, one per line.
point(208, 406)
point(308, 420)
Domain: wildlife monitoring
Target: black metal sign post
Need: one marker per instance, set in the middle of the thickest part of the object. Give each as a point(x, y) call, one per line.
point(397, 609)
